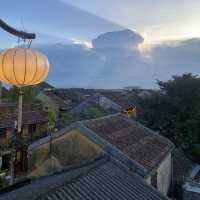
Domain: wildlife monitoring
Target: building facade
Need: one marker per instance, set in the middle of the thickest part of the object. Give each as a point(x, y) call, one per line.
point(13, 146)
point(138, 148)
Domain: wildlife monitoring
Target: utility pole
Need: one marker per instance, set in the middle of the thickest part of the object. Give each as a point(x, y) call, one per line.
point(0, 92)
point(25, 36)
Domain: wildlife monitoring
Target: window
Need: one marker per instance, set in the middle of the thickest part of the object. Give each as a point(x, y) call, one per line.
point(46, 108)
point(3, 132)
point(5, 162)
point(154, 179)
point(32, 128)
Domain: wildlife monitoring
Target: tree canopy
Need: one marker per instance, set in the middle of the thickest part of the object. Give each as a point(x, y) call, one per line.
point(174, 110)
point(28, 94)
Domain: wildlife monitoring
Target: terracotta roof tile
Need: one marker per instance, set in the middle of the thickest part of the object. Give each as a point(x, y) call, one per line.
point(136, 141)
point(30, 117)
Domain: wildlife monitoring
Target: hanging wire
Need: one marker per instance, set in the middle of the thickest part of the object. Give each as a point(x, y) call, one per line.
point(18, 42)
point(30, 42)
point(26, 43)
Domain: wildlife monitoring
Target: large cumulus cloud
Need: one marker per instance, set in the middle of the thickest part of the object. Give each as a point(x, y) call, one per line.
point(115, 61)
point(176, 57)
point(118, 39)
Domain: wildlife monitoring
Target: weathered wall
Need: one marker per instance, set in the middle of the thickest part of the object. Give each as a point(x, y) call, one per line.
point(5, 141)
point(68, 149)
point(148, 180)
point(164, 175)
point(41, 130)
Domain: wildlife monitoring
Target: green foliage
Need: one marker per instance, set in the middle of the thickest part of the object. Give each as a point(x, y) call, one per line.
point(174, 111)
point(87, 113)
point(94, 112)
point(68, 119)
point(52, 120)
point(2, 182)
point(28, 94)
point(195, 151)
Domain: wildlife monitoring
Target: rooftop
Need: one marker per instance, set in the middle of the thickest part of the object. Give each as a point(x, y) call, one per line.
point(59, 101)
point(131, 138)
point(103, 178)
point(44, 86)
point(29, 117)
point(117, 97)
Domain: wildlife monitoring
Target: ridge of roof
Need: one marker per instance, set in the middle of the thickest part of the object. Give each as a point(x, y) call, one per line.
point(46, 139)
point(132, 164)
point(28, 117)
point(144, 140)
point(112, 150)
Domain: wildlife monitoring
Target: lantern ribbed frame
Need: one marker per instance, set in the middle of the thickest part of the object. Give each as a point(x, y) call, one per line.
point(23, 67)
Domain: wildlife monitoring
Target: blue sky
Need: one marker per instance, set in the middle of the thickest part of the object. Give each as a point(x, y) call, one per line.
point(155, 20)
point(52, 20)
point(164, 40)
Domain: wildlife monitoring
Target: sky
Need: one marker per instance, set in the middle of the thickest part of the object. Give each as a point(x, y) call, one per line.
point(146, 40)
point(155, 20)
point(52, 21)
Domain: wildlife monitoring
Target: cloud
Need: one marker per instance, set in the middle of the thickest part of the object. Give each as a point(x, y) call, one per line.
point(54, 18)
point(108, 65)
point(118, 39)
point(111, 66)
point(177, 57)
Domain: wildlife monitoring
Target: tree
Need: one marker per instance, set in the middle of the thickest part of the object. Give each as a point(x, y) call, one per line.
point(68, 118)
point(52, 120)
point(174, 111)
point(28, 94)
point(94, 112)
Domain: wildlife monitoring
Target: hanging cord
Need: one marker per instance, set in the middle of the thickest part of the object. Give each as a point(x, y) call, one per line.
point(29, 43)
point(18, 42)
point(24, 43)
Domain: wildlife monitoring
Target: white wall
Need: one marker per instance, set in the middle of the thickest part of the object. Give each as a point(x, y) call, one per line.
point(164, 175)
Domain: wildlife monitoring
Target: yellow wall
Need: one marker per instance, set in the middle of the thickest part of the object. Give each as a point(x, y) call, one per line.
point(68, 149)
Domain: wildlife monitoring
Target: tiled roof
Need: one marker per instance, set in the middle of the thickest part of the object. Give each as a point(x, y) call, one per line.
point(56, 99)
point(197, 177)
point(30, 117)
point(134, 140)
point(43, 86)
point(118, 98)
point(103, 179)
point(7, 104)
